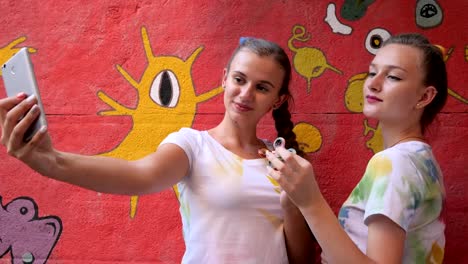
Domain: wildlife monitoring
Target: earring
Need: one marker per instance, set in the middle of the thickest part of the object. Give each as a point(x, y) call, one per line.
point(275, 106)
point(418, 105)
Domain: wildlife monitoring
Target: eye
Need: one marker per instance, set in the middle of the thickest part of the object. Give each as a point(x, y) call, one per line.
point(165, 89)
point(371, 74)
point(375, 39)
point(238, 79)
point(23, 210)
point(262, 88)
point(393, 77)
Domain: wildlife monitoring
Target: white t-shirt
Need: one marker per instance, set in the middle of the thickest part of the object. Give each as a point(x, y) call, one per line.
point(405, 184)
point(230, 208)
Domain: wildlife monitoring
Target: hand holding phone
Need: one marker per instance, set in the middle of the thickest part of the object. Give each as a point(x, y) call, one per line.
point(18, 76)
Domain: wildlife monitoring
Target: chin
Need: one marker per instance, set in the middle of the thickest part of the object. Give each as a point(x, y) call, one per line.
point(370, 114)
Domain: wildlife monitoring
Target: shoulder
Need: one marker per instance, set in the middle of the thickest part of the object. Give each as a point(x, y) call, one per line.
point(185, 133)
point(188, 131)
point(408, 160)
point(186, 138)
point(392, 158)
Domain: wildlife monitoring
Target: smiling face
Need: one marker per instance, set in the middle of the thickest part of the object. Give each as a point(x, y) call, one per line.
point(394, 86)
point(252, 84)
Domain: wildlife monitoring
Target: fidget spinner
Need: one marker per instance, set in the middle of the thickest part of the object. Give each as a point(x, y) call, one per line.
point(279, 142)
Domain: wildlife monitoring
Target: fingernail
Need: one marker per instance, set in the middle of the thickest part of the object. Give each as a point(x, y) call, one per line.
point(34, 109)
point(21, 95)
point(31, 98)
point(43, 129)
point(262, 152)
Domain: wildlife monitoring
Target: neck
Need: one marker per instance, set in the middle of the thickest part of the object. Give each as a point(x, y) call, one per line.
point(394, 136)
point(241, 141)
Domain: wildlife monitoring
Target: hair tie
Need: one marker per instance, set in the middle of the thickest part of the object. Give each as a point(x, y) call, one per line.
point(242, 40)
point(445, 53)
point(440, 48)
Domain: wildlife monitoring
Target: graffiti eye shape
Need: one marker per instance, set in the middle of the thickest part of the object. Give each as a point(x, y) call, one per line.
point(428, 11)
point(375, 39)
point(317, 70)
point(165, 89)
point(23, 210)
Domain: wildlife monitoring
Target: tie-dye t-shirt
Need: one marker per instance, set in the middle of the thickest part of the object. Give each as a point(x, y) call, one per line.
point(230, 208)
point(405, 184)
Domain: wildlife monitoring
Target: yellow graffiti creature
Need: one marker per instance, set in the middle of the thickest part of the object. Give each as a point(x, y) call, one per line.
point(166, 102)
point(308, 62)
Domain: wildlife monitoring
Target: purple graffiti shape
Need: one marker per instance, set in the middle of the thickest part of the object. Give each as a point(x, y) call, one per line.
point(29, 238)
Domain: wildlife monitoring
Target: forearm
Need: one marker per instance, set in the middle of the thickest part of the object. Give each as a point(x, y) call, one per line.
point(102, 174)
point(336, 245)
point(300, 243)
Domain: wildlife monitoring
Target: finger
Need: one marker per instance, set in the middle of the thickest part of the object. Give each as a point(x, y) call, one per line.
point(274, 173)
point(262, 152)
point(19, 108)
point(288, 158)
point(24, 105)
point(38, 137)
point(275, 162)
point(6, 104)
point(19, 130)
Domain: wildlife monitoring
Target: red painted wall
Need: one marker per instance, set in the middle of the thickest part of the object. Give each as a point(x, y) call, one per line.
point(95, 78)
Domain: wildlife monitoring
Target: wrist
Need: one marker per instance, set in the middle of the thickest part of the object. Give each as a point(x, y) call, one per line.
point(316, 205)
point(48, 163)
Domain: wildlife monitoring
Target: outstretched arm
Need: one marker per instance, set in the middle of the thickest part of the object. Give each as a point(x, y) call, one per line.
point(153, 173)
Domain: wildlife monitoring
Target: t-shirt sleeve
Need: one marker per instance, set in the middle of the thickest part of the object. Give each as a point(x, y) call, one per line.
point(396, 188)
point(187, 139)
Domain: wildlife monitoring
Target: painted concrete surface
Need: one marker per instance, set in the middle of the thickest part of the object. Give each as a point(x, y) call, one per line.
point(99, 65)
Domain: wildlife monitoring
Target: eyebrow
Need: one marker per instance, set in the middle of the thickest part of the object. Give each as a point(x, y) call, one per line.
point(390, 67)
point(262, 81)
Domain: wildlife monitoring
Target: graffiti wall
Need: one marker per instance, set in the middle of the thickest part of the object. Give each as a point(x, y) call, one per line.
point(117, 76)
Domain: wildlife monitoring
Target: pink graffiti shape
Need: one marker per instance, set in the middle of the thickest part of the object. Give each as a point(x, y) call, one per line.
point(29, 238)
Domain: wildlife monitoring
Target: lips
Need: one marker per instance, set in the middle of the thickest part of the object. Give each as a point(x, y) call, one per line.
point(242, 107)
point(373, 99)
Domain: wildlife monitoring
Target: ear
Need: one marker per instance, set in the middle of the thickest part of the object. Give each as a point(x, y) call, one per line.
point(429, 93)
point(279, 102)
point(223, 83)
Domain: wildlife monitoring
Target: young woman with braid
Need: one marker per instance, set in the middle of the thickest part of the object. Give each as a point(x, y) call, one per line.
point(231, 211)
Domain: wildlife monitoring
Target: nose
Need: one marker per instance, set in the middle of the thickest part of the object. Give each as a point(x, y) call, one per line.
point(374, 83)
point(247, 92)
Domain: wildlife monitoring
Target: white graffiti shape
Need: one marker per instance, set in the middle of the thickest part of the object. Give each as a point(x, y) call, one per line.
point(332, 21)
point(375, 39)
point(428, 14)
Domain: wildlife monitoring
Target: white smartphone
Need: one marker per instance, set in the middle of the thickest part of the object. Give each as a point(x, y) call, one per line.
point(18, 76)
